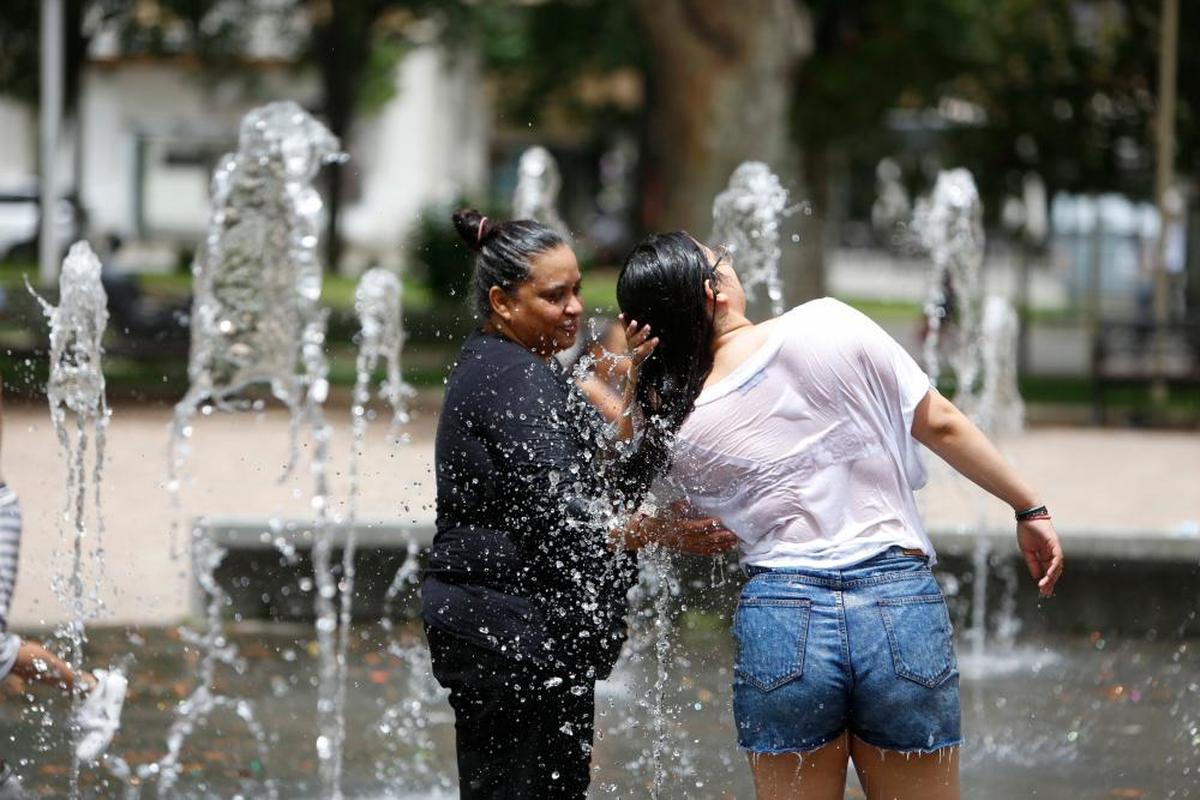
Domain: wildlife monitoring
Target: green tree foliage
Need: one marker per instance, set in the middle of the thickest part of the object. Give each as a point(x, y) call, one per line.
point(20, 45)
point(541, 51)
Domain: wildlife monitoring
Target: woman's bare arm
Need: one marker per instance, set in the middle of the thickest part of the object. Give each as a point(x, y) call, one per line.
point(610, 405)
point(674, 529)
point(940, 426)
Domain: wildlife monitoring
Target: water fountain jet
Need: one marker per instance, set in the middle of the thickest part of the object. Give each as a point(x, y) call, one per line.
point(747, 218)
point(538, 184)
point(257, 319)
point(76, 386)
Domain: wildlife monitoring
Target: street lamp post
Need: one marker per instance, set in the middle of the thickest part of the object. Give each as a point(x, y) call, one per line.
point(51, 107)
point(1164, 162)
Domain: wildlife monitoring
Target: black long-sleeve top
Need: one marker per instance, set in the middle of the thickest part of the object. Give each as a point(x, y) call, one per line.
point(521, 562)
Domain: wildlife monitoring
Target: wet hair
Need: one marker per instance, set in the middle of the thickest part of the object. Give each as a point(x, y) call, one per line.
point(662, 285)
point(503, 251)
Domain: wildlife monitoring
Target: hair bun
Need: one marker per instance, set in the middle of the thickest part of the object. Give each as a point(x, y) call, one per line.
point(472, 226)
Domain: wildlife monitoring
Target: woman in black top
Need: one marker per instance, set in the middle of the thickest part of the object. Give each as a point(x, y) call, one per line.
point(524, 596)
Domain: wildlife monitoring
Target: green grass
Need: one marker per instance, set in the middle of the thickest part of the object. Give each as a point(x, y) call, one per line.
point(337, 291)
point(438, 324)
point(600, 290)
point(896, 310)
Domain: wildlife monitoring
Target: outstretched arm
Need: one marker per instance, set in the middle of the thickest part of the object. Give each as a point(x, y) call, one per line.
point(945, 430)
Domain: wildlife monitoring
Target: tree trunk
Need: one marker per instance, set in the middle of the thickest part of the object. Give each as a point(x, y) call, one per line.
point(341, 42)
point(338, 115)
point(807, 281)
point(720, 87)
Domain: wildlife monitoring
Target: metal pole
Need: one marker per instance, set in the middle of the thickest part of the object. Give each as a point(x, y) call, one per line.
point(51, 107)
point(1164, 162)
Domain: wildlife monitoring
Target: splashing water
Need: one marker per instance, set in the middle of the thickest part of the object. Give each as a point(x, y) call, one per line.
point(408, 723)
point(76, 385)
point(538, 184)
point(950, 227)
point(204, 702)
point(747, 217)
point(377, 300)
point(984, 361)
point(256, 314)
point(1001, 411)
point(257, 319)
point(660, 564)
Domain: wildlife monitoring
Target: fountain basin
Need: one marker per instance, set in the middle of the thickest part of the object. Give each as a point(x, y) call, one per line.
point(1126, 582)
point(1103, 714)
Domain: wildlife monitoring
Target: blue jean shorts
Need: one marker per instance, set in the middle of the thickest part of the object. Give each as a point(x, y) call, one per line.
point(867, 649)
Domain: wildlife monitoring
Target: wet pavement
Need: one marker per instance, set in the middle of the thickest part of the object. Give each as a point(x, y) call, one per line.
point(1072, 718)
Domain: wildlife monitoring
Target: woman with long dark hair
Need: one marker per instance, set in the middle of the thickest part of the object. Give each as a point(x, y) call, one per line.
point(524, 595)
point(801, 433)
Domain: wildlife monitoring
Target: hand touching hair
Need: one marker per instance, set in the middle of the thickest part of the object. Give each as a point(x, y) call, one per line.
point(662, 284)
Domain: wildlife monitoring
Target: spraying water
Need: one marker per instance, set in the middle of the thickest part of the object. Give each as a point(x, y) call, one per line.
point(257, 319)
point(538, 185)
point(747, 218)
point(950, 226)
point(76, 386)
point(377, 300)
point(409, 723)
point(660, 564)
point(1001, 410)
point(984, 361)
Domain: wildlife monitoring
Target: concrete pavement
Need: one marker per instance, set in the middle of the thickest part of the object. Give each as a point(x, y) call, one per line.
point(1098, 482)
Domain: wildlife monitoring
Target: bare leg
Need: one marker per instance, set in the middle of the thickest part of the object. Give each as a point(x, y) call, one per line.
point(37, 664)
point(816, 775)
point(891, 775)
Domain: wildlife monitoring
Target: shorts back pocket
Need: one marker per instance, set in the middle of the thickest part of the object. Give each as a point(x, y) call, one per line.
point(919, 632)
point(771, 634)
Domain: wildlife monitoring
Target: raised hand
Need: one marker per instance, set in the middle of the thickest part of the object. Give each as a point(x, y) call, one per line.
point(638, 343)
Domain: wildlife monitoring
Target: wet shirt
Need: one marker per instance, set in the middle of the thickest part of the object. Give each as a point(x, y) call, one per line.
point(521, 561)
point(805, 450)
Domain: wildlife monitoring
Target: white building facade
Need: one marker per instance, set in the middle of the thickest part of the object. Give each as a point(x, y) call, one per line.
point(152, 130)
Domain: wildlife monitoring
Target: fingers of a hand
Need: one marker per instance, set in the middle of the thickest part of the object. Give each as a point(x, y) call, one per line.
point(1033, 564)
point(643, 351)
point(700, 525)
point(680, 507)
point(1053, 573)
point(713, 543)
point(631, 330)
point(727, 540)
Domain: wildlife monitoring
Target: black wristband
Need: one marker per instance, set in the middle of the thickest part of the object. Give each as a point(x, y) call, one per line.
point(1037, 512)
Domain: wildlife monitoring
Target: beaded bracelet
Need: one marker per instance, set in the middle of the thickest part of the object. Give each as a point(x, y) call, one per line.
point(1030, 514)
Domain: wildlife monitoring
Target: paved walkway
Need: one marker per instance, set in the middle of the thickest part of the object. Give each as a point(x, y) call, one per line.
point(1093, 480)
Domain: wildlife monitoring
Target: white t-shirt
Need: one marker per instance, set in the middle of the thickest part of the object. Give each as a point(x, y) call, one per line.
point(805, 450)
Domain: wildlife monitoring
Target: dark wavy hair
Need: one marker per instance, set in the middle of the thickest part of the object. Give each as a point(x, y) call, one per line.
point(662, 285)
point(503, 252)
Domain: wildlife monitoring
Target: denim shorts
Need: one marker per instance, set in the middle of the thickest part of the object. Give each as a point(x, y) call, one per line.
point(867, 649)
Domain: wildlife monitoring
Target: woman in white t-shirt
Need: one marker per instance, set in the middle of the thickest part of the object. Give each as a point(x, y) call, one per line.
point(801, 434)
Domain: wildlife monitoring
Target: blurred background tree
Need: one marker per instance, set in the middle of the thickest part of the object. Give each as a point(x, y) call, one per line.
point(999, 86)
point(816, 88)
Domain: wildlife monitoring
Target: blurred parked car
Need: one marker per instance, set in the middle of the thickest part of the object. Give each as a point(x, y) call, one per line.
point(20, 219)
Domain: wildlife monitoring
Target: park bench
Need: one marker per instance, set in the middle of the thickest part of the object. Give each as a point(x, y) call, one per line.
point(1123, 354)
